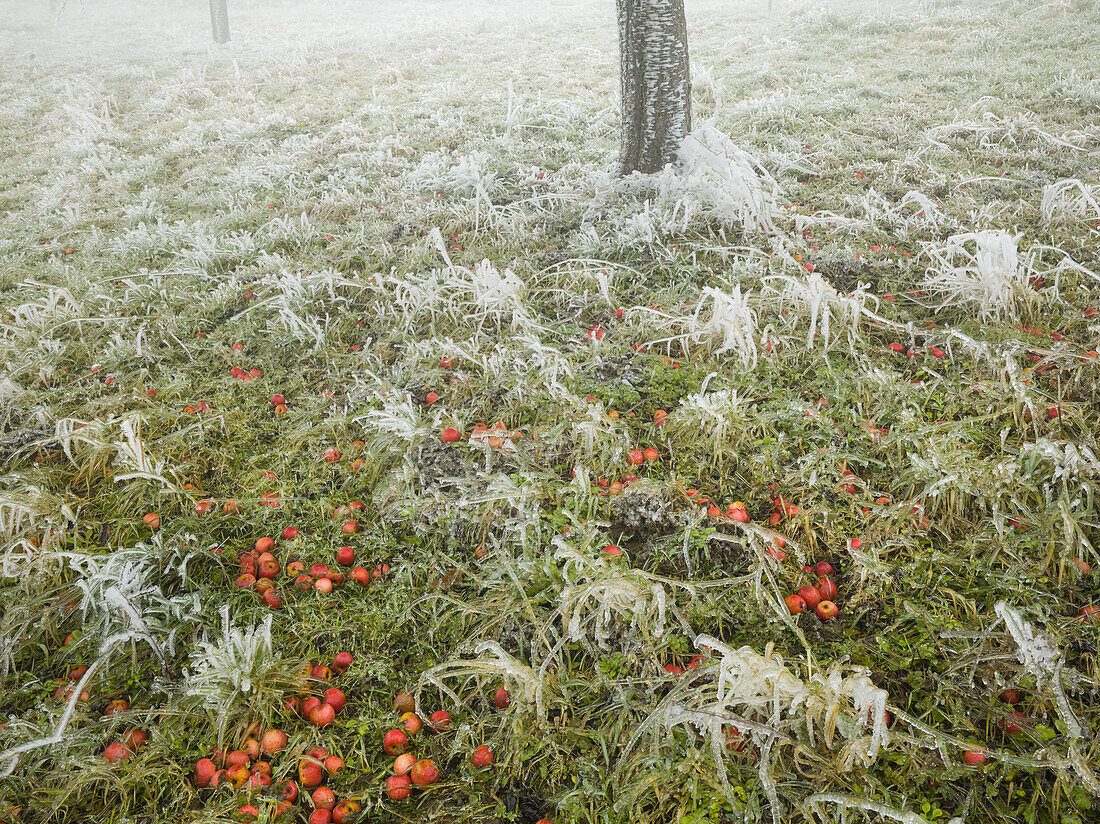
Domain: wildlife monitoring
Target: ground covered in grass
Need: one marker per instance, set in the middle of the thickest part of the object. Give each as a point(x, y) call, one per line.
point(364, 273)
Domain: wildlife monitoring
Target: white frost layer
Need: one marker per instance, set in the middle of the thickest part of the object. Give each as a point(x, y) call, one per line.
point(719, 181)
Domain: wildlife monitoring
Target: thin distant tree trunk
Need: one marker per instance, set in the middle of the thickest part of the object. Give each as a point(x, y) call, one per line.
point(655, 81)
point(219, 18)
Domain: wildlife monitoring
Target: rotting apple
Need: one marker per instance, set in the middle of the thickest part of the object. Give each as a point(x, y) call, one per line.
point(411, 723)
point(424, 772)
point(404, 702)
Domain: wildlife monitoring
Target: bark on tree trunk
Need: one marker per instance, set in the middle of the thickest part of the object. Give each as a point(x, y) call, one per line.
point(655, 81)
point(219, 19)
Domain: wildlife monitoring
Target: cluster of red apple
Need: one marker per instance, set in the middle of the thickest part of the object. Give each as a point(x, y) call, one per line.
point(333, 455)
point(258, 571)
point(246, 375)
point(321, 711)
point(637, 456)
point(130, 743)
point(244, 769)
point(614, 487)
point(408, 770)
point(66, 686)
point(821, 597)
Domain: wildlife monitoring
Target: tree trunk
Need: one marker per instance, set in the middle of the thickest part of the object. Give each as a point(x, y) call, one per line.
point(655, 81)
point(219, 18)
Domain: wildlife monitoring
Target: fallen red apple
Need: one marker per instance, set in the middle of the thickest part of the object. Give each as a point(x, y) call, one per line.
point(288, 791)
point(482, 757)
point(439, 721)
point(273, 741)
point(974, 757)
point(398, 787)
point(501, 699)
point(290, 533)
point(810, 595)
point(322, 715)
point(424, 772)
point(341, 662)
point(237, 758)
point(826, 588)
point(204, 771)
point(404, 702)
point(403, 763)
point(310, 773)
point(344, 812)
point(827, 611)
point(345, 556)
point(334, 765)
point(335, 698)
point(395, 742)
point(323, 798)
point(411, 722)
point(450, 435)
point(795, 604)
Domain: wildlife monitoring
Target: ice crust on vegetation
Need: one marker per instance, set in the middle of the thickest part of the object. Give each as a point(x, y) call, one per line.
point(602, 596)
point(759, 697)
point(714, 179)
point(238, 661)
point(982, 270)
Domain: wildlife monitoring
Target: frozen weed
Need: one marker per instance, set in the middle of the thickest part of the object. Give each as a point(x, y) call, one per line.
point(983, 270)
point(716, 180)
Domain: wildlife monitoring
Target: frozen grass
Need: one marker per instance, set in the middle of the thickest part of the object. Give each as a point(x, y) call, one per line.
point(866, 299)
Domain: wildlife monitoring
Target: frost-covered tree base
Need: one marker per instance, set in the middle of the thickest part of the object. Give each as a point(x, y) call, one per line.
point(656, 83)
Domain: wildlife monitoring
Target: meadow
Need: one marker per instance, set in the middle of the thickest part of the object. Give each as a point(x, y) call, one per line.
point(364, 278)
